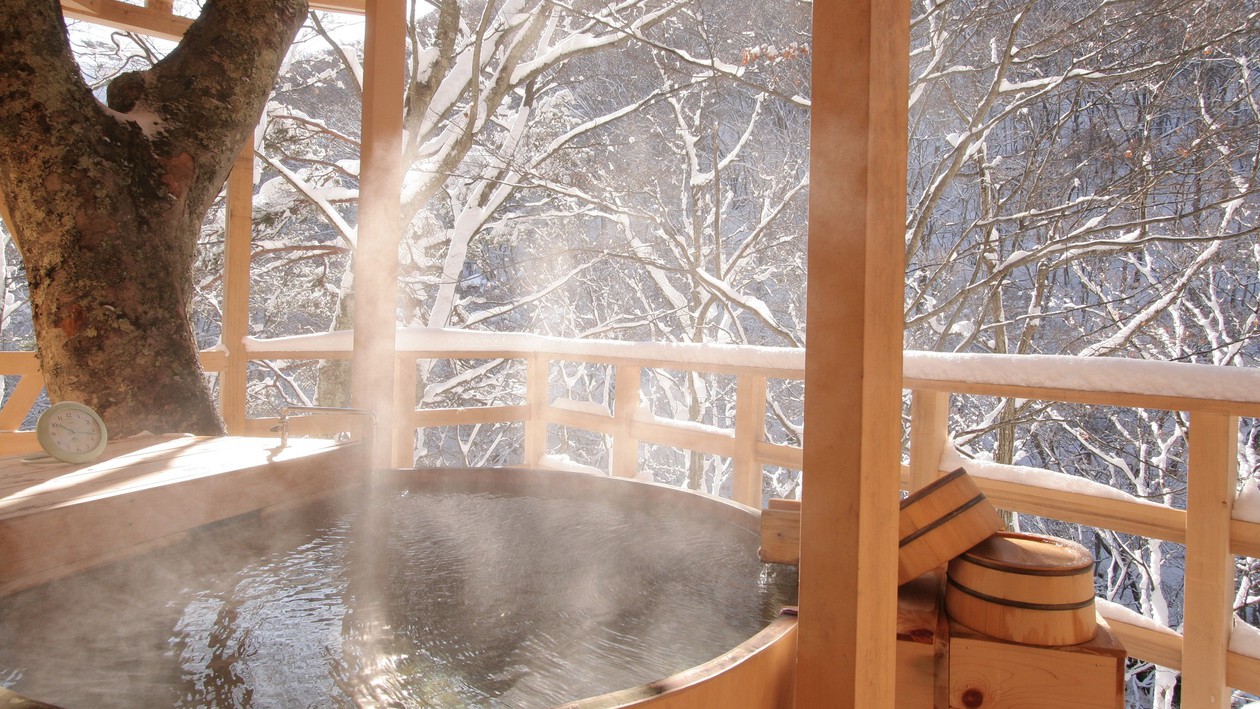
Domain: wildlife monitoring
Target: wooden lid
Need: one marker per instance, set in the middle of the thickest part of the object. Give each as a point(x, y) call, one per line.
point(1032, 554)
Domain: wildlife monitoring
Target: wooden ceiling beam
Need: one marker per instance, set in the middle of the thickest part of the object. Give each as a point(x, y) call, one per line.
point(157, 19)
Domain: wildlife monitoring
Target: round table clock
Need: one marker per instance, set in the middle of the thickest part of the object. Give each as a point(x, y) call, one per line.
point(72, 432)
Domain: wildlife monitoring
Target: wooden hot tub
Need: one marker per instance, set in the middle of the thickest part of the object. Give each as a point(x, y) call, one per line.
point(57, 520)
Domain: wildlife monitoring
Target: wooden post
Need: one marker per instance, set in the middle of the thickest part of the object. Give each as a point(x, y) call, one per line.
point(380, 228)
point(848, 590)
point(750, 429)
point(625, 452)
point(238, 235)
point(536, 380)
point(929, 433)
point(405, 437)
point(1209, 592)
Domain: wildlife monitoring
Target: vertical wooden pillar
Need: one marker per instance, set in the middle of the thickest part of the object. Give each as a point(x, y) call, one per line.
point(929, 434)
point(238, 235)
point(380, 228)
point(625, 452)
point(1208, 610)
point(846, 652)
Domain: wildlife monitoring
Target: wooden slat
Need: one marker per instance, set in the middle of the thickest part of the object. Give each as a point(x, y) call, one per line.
point(1156, 521)
point(1209, 574)
point(236, 263)
point(152, 21)
point(18, 363)
point(18, 407)
point(625, 447)
point(1245, 538)
point(405, 403)
point(537, 374)
point(1243, 672)
point(580, 419)
point(664, 433)
point(1161, 646)
point(750, 428)
point(929, 423)
point(779, 454)
point(424, 418)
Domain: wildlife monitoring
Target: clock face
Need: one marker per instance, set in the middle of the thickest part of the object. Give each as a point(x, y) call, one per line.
point(71, 432)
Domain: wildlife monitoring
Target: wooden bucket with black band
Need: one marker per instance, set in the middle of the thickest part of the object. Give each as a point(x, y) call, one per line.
point(941, 521)
point(1025, 588)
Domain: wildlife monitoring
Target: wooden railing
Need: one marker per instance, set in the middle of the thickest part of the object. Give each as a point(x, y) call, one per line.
point(1213, 398)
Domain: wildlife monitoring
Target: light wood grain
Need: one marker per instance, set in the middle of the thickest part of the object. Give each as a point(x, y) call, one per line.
point(1209, 587)
point(929, 433)
point(780, 534)
point(625, 447)
point(236, 263)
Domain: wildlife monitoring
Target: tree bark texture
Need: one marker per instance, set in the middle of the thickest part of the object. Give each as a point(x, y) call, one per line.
point(106, 202)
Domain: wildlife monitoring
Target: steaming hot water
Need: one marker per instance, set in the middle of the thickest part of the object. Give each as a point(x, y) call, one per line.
point(475, 596)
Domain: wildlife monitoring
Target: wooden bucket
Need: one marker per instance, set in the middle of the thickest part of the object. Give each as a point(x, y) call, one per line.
point(940, 522)
point(1025, 588)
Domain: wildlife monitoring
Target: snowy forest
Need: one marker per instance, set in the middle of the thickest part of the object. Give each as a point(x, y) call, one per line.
point(1083, 180)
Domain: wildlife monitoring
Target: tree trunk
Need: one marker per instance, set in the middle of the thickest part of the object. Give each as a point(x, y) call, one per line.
point(106, 202)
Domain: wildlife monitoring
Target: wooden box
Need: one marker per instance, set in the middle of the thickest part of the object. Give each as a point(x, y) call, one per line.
point(986, 673)
point(922, 644)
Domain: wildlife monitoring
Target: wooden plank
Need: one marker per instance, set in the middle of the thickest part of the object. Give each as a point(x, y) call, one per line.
point(681, 436)
point(236, 263)
point(1163, 647)
point(156, 22)
point(403, 455)
point(1245, 538)
point(1209, 579)
point(422, 418)
point(750, 429)
point(19, 363)
point(781, 455)
point(79, 516)
point(626, 400)
point(929, 434)
point(846, 652)
point(537, 381)
point(1158, 521)
point(579, 419)
point(1243, 672)
point(18, 407)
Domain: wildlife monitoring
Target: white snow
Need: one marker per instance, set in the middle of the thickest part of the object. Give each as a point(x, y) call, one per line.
point(438, 341)
point(583, 407)
point(1114, 611)
point(1036, 477)
point(1245, 639)
point(559, 461)
point(1247, 505)
point(1089, 374)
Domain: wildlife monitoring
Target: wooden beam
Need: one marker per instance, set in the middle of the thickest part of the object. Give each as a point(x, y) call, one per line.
point(155, 20)
point(236, 261)
point(380, 228)
point(848, 599)
point(929, 434)
point(625, 452)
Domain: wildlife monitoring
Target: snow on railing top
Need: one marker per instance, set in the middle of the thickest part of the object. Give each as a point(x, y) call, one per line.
point(1089, 374)
point(1062, 372)
point(423, 339)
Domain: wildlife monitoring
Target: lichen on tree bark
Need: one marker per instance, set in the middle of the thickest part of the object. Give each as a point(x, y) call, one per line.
point(106, 202)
